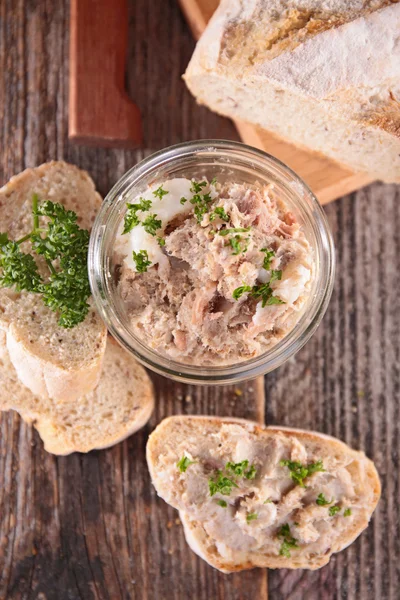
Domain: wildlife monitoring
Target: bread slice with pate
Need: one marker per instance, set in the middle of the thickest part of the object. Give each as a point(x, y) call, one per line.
point(252, 496)
point(53, 362)
point(120, 405)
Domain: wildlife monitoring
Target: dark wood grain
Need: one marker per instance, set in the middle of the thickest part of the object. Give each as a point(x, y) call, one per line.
point(90, 526)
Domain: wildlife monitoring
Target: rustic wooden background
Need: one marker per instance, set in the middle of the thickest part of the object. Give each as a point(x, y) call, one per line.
point(90, 527)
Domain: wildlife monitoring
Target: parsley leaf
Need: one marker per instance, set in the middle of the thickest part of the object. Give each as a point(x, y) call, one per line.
point(131, 219)
point(160, 192)
point(221, 484)
point(213, 181)
point(251, 517)
point(197, 186)
point(161, 241)
point(234, 230)
point(347, 512)
point(263, 291)
point(251, 473)
point(238, 244)
point(239, 291)
point(151, 224)
point(299, 472)
point(142, 261)
point(183, 200)
point(333, 510)
point(17, 268)
point(183, 463)
point(237, 468)
point(288, 542)
point(322, 501)
point(219, 212)
point(222, 503)
point(269, 254)
point(201, 203)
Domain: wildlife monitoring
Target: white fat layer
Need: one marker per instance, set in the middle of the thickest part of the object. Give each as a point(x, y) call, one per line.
point(165, 209)
point(292, 285)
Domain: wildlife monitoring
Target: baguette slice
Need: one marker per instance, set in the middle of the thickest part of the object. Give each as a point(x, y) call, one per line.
point(57, 363)
point(247, 532)
point(119, 406)
point(323, 75)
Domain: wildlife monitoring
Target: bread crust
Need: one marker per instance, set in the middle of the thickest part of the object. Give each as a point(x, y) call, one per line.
point(340, 80)
point(204, 545)
point(60, 426)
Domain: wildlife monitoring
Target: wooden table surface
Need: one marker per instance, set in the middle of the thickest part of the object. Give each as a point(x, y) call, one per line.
point(90, 526)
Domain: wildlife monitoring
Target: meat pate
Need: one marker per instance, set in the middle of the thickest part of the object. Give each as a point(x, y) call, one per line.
point(212, 273)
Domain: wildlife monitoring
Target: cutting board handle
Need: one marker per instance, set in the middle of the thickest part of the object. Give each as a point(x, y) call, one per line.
point(100, 111)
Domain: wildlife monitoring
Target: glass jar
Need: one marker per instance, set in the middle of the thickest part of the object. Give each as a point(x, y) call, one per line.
point(240, 164)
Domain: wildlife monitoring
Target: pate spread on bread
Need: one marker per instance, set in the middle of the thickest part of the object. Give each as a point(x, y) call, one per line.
point(252, 496)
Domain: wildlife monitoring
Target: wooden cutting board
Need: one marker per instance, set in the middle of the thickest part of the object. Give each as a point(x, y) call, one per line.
point(327, 179)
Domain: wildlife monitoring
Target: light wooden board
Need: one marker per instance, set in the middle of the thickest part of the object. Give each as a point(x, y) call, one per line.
point(327, 179)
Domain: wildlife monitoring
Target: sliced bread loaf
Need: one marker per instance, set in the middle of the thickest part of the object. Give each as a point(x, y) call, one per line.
point(250, 496)
point(121, 404)
point(53, 362)
point(322, 74)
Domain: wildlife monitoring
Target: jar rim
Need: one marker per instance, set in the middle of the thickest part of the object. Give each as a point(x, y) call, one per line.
point(99, 275)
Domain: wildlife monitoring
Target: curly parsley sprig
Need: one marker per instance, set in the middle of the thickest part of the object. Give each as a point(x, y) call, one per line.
point(64, 246)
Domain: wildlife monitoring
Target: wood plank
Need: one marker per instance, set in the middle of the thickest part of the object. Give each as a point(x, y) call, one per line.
point(327, 179)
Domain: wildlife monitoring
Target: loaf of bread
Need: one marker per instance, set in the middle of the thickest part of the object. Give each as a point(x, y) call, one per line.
point(53, 362)
point(322, 74)
point(250, 496)
point(121, 404)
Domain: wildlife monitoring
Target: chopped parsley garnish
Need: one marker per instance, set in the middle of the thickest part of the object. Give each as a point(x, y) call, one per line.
point(288, 541)
point(183, 463)
point(241, 469)
point(333, 510)
point(237, 468)
point(61, 241)
point(197, 186)
point(161, 241)
point(131, 219)
point(183, 200)
point(200, 201)
point(251, 517)
point(238, 244)
point(213, 181)
point(299, 472)
point(269, 255)
point(151, 224)
point(160, 192)
point(222, 503)
point(241, 290)
point(263, 291)
point(234, 230)
point(141, 260)
point(267, 501)
point(347, 512)
point(221, 484)
point(251, 473)
point(322, 501)
point(219, 212)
